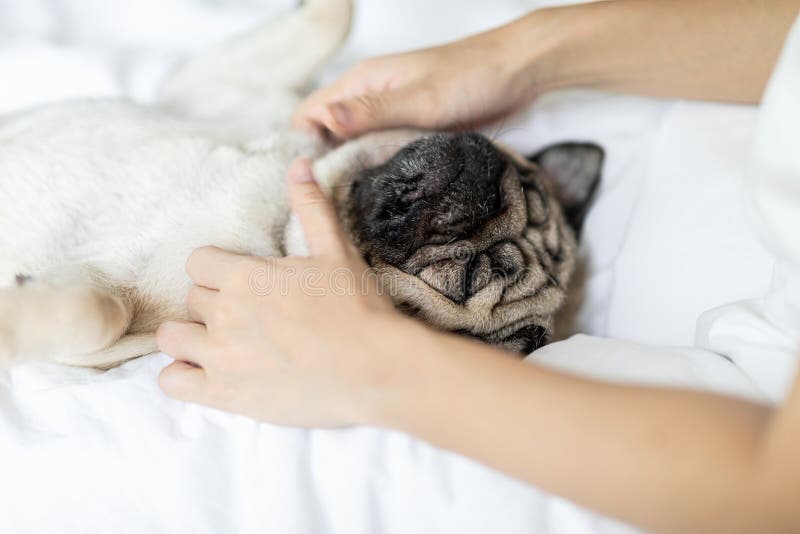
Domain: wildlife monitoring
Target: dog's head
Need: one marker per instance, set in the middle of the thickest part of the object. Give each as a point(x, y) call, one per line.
point(463, 233)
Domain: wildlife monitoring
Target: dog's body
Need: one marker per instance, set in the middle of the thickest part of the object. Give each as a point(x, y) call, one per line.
point(101, 203)
point(127, 217)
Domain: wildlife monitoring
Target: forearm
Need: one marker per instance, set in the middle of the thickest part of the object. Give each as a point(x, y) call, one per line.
point(696, 49)
point(671, 461)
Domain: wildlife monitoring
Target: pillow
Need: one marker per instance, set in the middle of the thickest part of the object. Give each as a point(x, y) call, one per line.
point(627, 362)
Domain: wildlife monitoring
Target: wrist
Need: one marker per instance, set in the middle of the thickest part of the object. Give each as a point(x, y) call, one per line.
point(547, 46)
point(420, 372)
point(410, 357)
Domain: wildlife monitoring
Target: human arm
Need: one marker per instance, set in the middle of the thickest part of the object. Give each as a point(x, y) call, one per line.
point(668, 460)
point(720, 50)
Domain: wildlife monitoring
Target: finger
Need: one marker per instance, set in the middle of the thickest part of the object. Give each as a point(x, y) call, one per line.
point(308, 115)
point(320, 123)
point(199, 302)
point(183, 341)
point(321, 227)
point(183, 381)
point(207, 266)
point(369, 112)
point(314, 123)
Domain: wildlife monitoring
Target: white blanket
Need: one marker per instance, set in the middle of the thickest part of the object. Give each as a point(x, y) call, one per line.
point(87, 452)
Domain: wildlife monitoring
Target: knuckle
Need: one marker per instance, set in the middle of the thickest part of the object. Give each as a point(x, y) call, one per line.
point(191, 297)
point(219, 316)
point(194, 257)
point(313, 198)
point(195, 302)
point(371, 105)
point(226, 307)
point(165, 334)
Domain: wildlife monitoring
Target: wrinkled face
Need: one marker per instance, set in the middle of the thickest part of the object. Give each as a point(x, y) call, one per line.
point(467, 236)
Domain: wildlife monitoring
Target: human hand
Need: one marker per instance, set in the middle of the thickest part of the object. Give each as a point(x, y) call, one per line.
point(460, 85)
point(294, 341)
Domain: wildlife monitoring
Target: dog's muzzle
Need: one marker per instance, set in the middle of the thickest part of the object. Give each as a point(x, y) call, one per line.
point(436, 190)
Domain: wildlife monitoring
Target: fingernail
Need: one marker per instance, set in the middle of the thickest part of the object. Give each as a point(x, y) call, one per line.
point(302, 173)
point(341, 113)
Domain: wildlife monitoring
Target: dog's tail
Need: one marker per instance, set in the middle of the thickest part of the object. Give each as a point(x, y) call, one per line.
point(283, 54)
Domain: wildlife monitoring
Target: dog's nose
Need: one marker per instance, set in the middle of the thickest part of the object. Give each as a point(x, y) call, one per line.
point(460, 186)
point(447, 162)
point(437, 190)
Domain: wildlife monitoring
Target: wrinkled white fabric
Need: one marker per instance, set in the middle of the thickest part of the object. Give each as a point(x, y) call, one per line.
point(762, 335)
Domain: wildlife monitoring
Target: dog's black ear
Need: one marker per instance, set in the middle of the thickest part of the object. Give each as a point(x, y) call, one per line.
point(574, 170)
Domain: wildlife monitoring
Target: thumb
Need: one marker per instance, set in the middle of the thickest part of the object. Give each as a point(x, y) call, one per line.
point(183, 381)
point(377, 111)
point(321, 227)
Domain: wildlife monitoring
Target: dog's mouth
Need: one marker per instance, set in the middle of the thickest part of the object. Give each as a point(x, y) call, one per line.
point(458, 227)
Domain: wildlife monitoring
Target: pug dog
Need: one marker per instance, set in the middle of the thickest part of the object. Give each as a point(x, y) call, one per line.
point(101, 203)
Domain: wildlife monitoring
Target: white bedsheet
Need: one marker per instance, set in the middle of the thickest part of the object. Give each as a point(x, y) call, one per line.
point(110, 453)
point(87, 452)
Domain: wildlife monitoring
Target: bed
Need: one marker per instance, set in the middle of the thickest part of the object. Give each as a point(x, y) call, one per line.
point(89, 452)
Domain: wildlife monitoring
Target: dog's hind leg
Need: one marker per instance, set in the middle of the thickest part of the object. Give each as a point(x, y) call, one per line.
point(273, 62)
point(45, 322)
